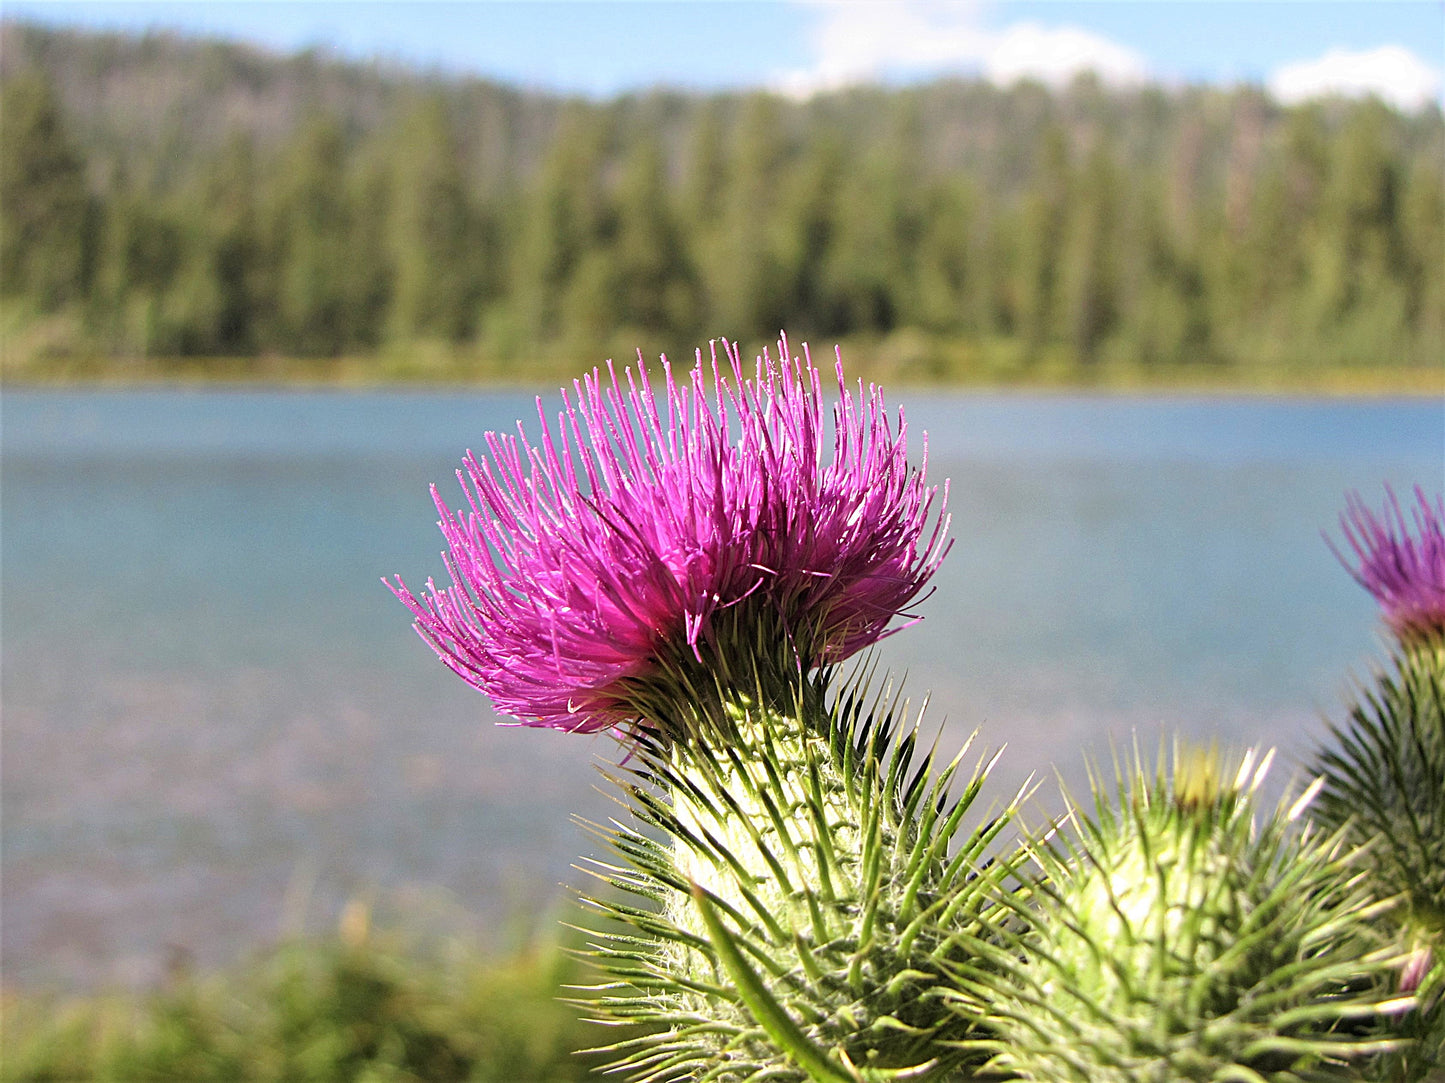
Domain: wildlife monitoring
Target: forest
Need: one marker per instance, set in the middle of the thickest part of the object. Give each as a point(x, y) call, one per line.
point(172, 205)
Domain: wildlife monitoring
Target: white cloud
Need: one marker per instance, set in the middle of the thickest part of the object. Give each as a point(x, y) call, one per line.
point(858, 41)
point(1392, 72)
point(1055, 55)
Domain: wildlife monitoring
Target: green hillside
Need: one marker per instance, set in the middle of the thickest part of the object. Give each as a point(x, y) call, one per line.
point(179, 207)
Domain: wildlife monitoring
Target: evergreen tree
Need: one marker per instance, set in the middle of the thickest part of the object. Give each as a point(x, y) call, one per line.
point(46, 225)
point(1359, 298)
point(704, 181)
point(1422, 220)
point(1041, 236)
point(951, 286)
point(1088, 257)
point(1162, 310)
point(212, 295)
point(369, 279)
point(565, 217)
point(865, 269)
point(434, 236)
point(808, 228)
point(142, 253)
point(656, 288)
point(743, 273)
point(311, 230)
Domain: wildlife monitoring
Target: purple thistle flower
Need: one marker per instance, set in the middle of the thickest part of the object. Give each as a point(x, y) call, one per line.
point(1405, 572)
point(637, 536)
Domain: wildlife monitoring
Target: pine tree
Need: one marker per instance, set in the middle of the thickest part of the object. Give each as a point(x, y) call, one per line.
point(656, 286)
point(564, 217)
point(433, 236)
point(46, 225)
point(311, 228)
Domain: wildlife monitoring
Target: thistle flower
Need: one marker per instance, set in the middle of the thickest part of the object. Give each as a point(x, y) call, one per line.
point(1384, 768)
point(798, 925)
point(641, 549)
point(1384, 774)
point(1405, 573)
point(1179, 937)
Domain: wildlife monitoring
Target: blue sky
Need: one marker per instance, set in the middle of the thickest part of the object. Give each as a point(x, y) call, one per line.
point(1395, 48)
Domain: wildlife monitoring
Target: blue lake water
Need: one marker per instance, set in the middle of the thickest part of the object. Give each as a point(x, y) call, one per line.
point(218, 726)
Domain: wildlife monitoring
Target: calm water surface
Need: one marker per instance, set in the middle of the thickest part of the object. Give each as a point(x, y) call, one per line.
point(218, 725)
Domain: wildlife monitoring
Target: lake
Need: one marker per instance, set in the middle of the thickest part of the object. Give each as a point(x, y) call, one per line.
point(219, 727)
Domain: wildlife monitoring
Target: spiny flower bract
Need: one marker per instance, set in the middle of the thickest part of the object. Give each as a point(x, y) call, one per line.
point(1405, 571)
point(639, 535)
point(1178, 936)
point(818, 879)
point(1384, 772)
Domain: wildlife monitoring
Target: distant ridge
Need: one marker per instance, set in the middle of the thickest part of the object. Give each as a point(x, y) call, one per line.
point(134, 95)
point(210, 198)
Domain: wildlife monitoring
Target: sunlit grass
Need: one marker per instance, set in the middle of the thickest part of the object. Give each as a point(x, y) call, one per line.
point(364, 1005)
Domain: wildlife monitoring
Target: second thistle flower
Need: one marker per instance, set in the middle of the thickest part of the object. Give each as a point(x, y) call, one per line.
point(1404, 569)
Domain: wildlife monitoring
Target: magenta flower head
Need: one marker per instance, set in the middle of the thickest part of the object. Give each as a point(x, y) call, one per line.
point(1403, 569)
point(640, 538)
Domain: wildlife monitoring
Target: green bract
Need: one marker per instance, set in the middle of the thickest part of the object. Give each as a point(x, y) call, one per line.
point(1384, 773)
point(1178, 936)
point(1385, 779)
point(801, 919)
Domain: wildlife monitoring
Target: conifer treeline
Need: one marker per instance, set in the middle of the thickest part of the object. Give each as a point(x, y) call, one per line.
point(160, 197)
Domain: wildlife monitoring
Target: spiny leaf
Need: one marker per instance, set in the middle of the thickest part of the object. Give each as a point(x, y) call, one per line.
point(765, 1009)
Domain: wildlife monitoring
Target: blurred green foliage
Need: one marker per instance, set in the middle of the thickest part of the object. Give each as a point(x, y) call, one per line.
point(241, 213)
point(364, 1007)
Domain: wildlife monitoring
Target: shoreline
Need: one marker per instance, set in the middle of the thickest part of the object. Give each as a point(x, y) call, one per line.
point(356, 375)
